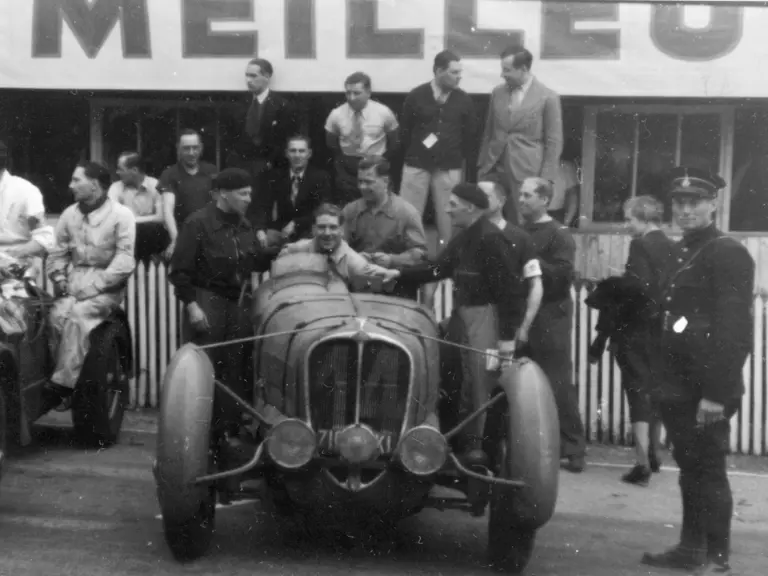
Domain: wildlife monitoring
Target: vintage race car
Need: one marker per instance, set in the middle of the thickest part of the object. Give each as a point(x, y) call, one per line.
point(347, 399)
point(26, 363)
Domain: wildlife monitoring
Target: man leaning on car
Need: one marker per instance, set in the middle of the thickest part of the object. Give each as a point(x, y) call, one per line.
point(480, 262)
point(328, 238)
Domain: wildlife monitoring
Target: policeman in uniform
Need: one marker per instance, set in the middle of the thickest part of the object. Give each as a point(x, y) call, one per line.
point(707, 336)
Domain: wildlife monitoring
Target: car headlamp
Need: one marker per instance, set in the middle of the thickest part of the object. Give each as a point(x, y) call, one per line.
point(357, 444)
point(423, 450)
point(291, 444)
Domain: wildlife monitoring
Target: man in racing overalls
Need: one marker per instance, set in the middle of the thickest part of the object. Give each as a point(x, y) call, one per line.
point(89, 267)
point(23, 231)
point(328, 238)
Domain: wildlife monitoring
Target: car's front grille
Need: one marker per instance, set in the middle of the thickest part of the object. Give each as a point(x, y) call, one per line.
point(384, 371)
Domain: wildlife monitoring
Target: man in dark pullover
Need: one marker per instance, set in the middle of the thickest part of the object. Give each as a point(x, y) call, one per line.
point(479, 261)
point(550, 336)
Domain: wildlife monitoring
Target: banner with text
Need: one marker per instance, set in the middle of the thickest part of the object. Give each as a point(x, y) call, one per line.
point(579, 48)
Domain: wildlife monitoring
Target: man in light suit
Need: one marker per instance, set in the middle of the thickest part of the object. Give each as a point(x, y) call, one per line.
point(523, 134)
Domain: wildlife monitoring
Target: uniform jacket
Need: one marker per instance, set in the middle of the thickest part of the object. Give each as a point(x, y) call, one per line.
point(713, 292)
point(94, 252)
point(272, 208)
point(526, 141)
point(629, 305)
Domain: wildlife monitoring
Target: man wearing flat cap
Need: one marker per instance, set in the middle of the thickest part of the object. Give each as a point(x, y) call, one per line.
point(211, 271)
point(480, 262)
point(707, 336)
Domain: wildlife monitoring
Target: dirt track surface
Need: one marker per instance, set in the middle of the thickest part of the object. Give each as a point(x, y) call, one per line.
point(64, 511)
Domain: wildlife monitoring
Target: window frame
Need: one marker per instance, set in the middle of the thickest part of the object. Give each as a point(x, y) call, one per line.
point(589, 156)
point(99, 105)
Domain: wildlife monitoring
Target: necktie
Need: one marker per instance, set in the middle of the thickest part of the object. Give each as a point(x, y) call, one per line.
point(253, 121)
point(295, 184)
point(356, 136)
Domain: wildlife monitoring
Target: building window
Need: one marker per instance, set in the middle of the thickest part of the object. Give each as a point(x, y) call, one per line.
point(629, 150)
point(152, 130)
point(749, 181)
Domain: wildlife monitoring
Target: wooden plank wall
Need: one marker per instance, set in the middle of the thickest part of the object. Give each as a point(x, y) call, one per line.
point(602, 255)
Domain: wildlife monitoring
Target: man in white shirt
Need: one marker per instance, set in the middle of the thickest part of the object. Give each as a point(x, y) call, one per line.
point(328, 231)
point(24, 233)
point(138, 192)
point(360, 127)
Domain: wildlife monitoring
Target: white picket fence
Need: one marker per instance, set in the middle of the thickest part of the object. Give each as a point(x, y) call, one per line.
point(155, 316)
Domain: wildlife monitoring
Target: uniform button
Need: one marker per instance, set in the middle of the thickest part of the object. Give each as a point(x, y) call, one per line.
point(669, 298)
point(671, 285)
point(685, 249)
point(680, 260)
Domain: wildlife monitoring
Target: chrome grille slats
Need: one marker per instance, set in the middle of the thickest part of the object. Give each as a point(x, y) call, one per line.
point(333, 369)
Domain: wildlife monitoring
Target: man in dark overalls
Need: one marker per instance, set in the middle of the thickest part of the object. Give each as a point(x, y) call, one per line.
point(707, 336)
point(211, 272)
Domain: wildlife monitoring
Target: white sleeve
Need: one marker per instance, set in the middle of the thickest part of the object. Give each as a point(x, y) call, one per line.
point(40, 230)
point(331, 124)
point(531, 269)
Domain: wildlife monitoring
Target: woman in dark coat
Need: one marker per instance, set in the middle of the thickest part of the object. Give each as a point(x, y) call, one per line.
point(629, 309)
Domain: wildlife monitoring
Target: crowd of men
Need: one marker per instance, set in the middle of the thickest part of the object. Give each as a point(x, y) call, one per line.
point(511, 262)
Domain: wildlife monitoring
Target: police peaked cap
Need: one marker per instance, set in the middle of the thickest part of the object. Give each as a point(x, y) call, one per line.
point(232, 179)
point(472, 194)
point(695, 182)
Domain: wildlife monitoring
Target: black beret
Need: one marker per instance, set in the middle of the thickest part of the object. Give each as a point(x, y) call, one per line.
point(231, 179)
point(695, 182)
point(472, 194)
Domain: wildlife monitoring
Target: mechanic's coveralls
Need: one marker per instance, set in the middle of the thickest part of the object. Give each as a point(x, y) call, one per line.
point(98, 242)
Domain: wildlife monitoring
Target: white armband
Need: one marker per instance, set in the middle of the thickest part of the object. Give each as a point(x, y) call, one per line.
point(531, 269)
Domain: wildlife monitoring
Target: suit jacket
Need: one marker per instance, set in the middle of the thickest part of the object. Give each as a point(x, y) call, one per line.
point(526, 141)
point(273, 209)
point(279, 119)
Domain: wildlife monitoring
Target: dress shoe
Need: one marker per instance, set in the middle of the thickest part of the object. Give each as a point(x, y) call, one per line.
point(639, 476)
point(654, 463)
point(55, 397)
point(575, 464)
point(676, 558)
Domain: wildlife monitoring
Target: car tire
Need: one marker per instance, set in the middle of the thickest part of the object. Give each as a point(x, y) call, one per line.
point(187, 450)
point(523, 443)
point(101, 395)
point(190, 539)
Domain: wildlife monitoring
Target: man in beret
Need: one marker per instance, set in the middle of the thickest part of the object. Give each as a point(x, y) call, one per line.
point(479, 260)
point(707, 335)
point(211, 271)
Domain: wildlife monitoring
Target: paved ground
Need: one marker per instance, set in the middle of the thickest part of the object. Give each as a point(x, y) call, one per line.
point(68, 512)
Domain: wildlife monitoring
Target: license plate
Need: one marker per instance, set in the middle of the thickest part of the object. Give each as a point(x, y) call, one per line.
point(327, 441)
